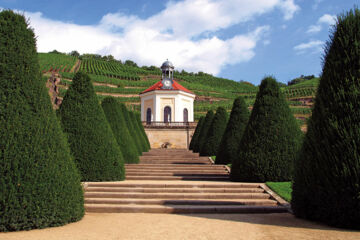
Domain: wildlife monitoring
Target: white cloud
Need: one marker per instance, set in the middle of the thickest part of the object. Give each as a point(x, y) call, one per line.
point(289, 8)
point(326, 19)
point(314, 29)
point(315, 46)
point(316, 4)
point(184, 32)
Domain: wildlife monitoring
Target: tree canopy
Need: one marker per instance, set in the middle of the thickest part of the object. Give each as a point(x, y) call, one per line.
point(271, 139)
point(92, 142)
point(326, 185)
point(229, 144)
point(39, 183)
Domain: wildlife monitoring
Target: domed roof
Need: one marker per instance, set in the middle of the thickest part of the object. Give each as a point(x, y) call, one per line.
point(167, 64)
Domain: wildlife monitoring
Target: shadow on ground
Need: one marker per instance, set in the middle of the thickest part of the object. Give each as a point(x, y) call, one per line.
point(272, 219)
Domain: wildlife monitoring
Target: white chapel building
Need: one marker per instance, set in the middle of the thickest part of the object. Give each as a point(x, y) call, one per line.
point(167, 101)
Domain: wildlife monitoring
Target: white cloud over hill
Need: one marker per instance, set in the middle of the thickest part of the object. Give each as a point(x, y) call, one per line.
point(184, 32)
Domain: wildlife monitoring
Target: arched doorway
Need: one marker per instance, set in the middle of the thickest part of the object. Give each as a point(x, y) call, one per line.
point(148, 116)
point(185, 114)
point(167, 114)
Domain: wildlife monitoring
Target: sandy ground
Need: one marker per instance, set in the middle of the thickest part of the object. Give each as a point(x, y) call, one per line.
point(114, 226)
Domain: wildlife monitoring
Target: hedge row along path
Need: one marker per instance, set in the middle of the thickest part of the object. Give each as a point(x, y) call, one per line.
point(179, 181)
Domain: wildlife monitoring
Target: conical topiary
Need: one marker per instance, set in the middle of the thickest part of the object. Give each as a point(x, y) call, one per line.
point(142, 131)
point(326, 184)
point(229, 144)
point(39, 183)
point(215, 132)
point(117, 123)
point(271, 139)
point(204, 129)
point(196, 134)
point(92, 142)
point(132, 129)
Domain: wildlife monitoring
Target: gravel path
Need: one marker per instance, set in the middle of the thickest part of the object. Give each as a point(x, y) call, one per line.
point(101, 226)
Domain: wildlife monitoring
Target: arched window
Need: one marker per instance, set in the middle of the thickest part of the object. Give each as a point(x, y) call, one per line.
point(185, 114)
point(167, 114)
point(148, 115)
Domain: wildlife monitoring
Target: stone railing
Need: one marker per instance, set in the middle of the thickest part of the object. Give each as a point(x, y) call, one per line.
point(170, 124)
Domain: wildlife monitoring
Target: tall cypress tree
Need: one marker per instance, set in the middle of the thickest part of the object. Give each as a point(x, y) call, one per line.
point(117, 123)
point(195, 137)
point(326, 185)
point(131, 127)
point(92, 142)
point(271, 139)
point(215, 132)
point(229, 145)
point(39, 183)
point(202, 136)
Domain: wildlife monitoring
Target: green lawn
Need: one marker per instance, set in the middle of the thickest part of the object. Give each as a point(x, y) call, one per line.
point(283, 189)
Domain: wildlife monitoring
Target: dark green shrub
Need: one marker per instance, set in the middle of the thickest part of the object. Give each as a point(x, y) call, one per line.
point(204, 129)
point(142, 130)
point(39, 183)
point(271, 139)
point(142, 141)
point(229, 144)
point(132, 129)
point(117, 123)
point(326, 184)
point(92, 142)
point(195, 137)
point(215, 132)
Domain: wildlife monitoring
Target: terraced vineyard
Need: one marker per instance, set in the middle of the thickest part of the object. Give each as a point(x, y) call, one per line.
point(52, 62)
point(126, 82)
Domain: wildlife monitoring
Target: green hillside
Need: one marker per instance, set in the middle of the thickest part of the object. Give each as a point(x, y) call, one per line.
point(126, 80)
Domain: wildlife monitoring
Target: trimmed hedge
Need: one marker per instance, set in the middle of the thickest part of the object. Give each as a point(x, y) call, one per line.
point(92, 142)
point(271, 140)
point(143, 144)
point(326, 185)
point(142, 130)
point(215, 132)
point(130, 124)
point(117, 123)
point(39, 183)
point(204, 130)
point(195, 137)
point(229, 145)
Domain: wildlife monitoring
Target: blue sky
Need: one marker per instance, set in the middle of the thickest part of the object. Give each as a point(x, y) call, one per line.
point(236, 39)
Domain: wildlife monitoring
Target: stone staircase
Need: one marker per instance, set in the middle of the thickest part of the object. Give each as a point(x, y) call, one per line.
point(174, 164)
point(179, 181)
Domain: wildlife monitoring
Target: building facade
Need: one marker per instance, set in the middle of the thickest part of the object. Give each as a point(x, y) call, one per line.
point(167, 111)
point(167, 101)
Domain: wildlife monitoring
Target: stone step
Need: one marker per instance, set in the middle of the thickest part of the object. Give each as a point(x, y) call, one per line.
point(177, 171)
point(173, 185)
point(182, 174)
point(174, 161)
point(193, 178)
point(177, 195)
point(174, 190)
point(133, 208)
point(189, 168)
point(251, 202)
point(164, 153)
point(173, 166)
point(173, 157)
